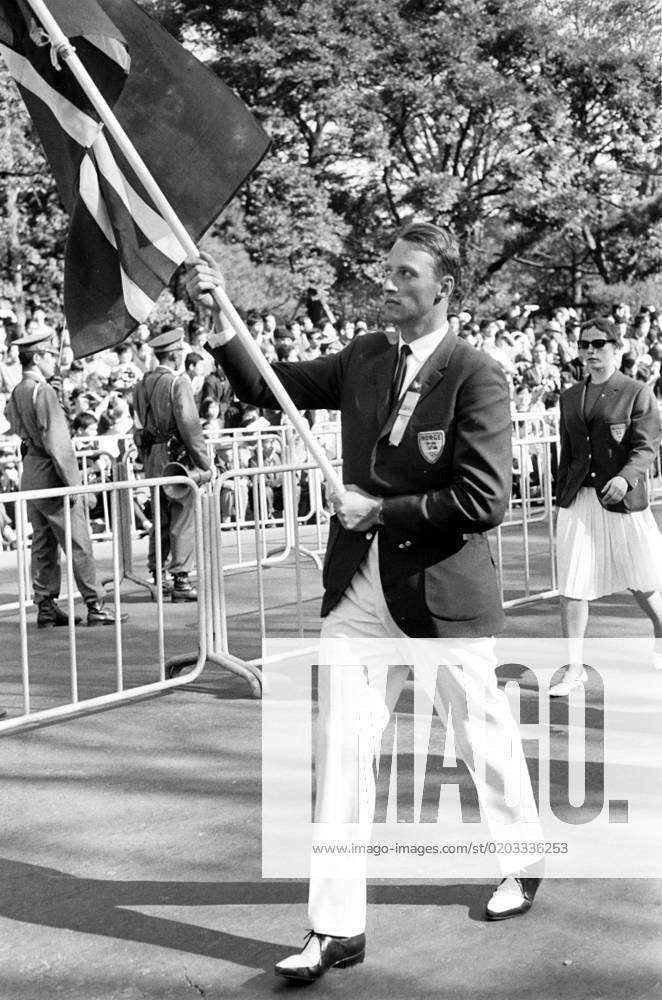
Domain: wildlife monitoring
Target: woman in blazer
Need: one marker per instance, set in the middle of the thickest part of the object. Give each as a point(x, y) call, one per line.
point(607, 537)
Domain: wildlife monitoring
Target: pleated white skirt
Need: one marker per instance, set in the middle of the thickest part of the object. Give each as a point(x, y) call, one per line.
point(601, 552)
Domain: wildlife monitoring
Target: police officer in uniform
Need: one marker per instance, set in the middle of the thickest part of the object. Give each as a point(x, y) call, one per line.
point(167, 428)
point(36, 416)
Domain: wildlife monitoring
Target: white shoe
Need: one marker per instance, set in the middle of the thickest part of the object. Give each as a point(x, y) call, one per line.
point(310, 956)
point(513, 896)
point(322, 952)
point(564, 687)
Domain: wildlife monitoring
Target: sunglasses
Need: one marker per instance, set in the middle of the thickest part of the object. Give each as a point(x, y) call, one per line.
point(598, 343)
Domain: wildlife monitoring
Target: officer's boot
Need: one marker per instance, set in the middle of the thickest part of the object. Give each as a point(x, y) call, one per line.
point(183, 589)
point(164, 583)
point(49, 615)
point(97, 614)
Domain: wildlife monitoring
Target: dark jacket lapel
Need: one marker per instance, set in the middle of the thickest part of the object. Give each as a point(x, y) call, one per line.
point(427, 378)
point(433, 370)
point(603, 402)
point(382, 376)
point(574, 399)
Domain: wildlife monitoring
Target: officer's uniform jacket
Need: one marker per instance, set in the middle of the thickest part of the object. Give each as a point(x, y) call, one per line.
point(619, 437)
point(164, 405)
point(36, 416)
point(436, 570)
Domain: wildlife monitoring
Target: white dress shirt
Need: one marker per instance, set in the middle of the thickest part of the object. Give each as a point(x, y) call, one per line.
point(421, 349)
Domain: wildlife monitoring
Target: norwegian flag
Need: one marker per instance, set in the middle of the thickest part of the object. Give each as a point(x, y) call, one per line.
point(198, 139)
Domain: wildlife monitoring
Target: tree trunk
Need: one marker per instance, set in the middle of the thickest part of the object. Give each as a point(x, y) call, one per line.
point(14, 255)
point(576, 278)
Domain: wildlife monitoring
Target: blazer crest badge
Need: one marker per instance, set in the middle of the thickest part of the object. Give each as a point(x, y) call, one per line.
point(431, 444)
point(617, 431)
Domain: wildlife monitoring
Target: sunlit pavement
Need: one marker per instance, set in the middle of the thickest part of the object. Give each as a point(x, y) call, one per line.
point(131, 850)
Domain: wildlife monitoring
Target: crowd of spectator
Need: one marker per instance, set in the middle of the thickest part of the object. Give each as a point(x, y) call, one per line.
point(538, 353)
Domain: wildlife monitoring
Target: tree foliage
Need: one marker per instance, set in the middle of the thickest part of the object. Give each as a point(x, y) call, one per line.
point(533, 127)
point(32, 222)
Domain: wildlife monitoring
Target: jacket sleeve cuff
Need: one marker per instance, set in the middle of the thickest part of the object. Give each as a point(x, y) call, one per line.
point(219, 338)
point(406, 513)
point(631, 477)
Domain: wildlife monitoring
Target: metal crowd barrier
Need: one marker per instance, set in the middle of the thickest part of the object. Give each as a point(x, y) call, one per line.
point(166, 677)
point(252, 545)
point(533, 566)
point(253, 548)
point(244, 449)
point(224, 560)
point(535, 562)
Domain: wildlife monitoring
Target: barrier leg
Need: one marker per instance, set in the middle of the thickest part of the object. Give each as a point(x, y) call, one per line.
point(206, 539)
point(124, 523)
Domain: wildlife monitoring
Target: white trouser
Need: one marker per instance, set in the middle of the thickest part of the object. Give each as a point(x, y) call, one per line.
point(355, 705)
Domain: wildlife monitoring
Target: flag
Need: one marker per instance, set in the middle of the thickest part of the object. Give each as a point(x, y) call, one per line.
point(197, 138)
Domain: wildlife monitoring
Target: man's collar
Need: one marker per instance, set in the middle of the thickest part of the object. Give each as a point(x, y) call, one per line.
point(423, 346)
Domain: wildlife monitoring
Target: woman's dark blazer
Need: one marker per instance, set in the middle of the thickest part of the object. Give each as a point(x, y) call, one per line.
point(619, 437)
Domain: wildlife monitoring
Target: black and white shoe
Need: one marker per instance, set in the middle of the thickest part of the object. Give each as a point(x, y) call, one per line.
point(322, 952)
point(513, 896)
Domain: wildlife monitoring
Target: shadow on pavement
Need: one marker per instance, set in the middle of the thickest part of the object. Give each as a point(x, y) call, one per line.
point(47, 897)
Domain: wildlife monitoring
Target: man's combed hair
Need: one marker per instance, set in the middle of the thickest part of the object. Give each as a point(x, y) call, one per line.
point(439, 243)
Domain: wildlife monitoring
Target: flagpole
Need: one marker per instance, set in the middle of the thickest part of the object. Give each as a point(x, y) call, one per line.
point(65, 50)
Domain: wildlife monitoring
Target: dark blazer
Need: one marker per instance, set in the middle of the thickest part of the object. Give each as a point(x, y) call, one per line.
point(620, 437)
point(436, 569)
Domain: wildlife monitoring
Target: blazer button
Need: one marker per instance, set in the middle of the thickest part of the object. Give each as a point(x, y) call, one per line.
point(593, 475)
point(407, 544)
point(369, 535)
point(401, 545)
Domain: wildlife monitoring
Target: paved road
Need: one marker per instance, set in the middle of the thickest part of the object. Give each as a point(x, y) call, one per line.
point(130, 859)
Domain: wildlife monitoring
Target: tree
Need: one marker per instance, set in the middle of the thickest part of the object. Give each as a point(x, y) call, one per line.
point(32, 223)
point(530, 126)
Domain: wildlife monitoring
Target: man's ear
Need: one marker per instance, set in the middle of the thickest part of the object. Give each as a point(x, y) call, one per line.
point(446, 286)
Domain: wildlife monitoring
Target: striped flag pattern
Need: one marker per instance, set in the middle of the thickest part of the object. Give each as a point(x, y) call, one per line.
point(197, 138)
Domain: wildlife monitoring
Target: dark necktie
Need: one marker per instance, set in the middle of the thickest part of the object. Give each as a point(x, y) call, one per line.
point(399, 377)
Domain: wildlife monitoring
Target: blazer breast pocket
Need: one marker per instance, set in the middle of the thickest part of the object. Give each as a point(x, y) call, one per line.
point(433, 443)
point(618, 430)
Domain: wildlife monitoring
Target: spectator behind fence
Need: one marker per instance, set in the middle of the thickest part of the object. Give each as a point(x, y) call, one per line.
point(216, 386)
point(210, 416)
point(636, 342)
point(10, 368)
point(541, 374)
point(143, 355)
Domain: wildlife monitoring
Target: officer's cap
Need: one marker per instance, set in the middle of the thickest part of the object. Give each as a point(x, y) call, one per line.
point(168, 341)
point(41, 339)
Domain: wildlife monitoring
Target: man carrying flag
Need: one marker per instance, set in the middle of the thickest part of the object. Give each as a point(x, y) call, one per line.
point(426, 459)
